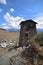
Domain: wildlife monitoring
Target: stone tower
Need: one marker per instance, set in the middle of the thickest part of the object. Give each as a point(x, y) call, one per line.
point(27, 31)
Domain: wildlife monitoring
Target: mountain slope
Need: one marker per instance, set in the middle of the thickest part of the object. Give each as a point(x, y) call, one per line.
point(6, 35)
point(39, 30)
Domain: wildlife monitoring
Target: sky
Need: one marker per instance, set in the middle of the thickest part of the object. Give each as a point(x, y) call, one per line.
point(12, 12)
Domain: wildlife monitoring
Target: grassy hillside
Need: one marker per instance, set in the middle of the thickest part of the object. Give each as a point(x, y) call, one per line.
point(37, 42)
point(39, 39)
point(6, 35)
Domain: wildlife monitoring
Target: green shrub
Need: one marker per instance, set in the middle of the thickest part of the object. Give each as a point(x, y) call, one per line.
point(39, 39)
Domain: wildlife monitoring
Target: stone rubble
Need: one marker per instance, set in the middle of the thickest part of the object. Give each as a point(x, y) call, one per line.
point(25, 55)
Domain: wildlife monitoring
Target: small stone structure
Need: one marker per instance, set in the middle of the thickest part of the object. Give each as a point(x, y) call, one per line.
point(28, 30)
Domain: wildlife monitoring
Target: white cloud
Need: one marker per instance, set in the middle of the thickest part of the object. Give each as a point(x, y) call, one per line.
point(5, 26)
point(3, 2)
point(1, 10)
point(13, 21)
point(12, 10)
point(39, 20)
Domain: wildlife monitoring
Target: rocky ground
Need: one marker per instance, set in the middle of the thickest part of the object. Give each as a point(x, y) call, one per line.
point(22, 56)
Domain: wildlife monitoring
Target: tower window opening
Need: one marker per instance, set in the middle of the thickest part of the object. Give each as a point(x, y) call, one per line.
point(26, 34)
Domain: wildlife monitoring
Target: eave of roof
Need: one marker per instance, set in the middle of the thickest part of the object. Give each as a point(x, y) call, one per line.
point(28, 21)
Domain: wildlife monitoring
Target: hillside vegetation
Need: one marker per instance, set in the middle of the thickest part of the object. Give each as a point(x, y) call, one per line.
point(39, 39)
point(37, 42)
point(10, 36)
